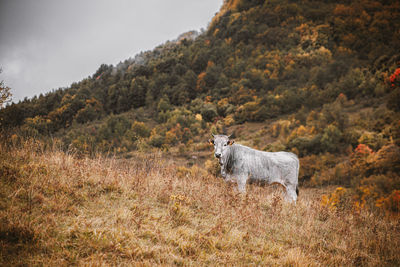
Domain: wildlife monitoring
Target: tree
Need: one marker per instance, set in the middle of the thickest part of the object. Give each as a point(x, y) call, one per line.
point(331, 137)
point(137, 93)
point(5, 94)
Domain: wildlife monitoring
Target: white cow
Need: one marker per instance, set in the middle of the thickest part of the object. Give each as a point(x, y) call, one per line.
point(241, 163)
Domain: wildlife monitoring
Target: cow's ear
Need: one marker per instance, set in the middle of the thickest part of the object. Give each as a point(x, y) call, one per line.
point(230, 142)
point(211, 141)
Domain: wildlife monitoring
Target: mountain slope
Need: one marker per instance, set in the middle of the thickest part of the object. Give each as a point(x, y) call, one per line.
point(252, 48)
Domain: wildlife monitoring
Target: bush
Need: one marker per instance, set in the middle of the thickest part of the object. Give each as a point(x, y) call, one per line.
point(86, 114)
point(138, 130)
point(339, 200)
point(387, 159)
point(391, 203)
point(372, 139)
point(306, 145)
point(164, 105)
point(331, 138)
point(209, 112)
point(252, 111)
point(224, 108)
point(117, 125)
point(156, 140)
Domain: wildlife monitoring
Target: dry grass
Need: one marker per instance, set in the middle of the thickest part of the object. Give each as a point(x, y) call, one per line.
point(57, 209)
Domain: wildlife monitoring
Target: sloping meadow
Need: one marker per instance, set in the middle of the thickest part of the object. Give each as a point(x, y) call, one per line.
point(60, 209)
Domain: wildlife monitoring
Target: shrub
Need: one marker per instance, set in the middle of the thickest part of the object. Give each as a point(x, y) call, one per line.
point(229, 120)
point(282, 128)
point(372, 140)
point(209, 112)
point(140, 129)
point(306, 145)
point(252, 111)
point(339, 200)
point(391, 203)
point(387, 159)
point(156, 140)
point(224, 108)
point(164, 105)
point(351, 136)
point(331, 138)
point(37, 125)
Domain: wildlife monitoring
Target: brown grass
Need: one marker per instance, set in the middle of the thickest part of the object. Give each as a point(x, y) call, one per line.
point(57, 209)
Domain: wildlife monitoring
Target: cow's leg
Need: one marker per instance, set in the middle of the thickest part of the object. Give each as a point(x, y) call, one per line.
point(223, 173)
point(241, 182)
point(291, 193)
point(229, 178)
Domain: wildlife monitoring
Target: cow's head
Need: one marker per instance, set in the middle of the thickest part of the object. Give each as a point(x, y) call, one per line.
point(221, 143)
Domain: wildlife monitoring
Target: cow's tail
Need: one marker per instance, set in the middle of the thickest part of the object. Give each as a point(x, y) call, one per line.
point(298, 170)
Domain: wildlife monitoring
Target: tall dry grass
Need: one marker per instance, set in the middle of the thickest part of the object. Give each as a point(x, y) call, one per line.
point(59, 209)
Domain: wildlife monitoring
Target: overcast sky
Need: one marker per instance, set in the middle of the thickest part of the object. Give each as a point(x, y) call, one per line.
point(48, 44)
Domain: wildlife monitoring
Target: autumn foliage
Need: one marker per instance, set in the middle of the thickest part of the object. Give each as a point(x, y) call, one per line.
point(394, 79)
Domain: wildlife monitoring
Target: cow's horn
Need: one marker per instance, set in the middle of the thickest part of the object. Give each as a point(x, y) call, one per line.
point(212, 135)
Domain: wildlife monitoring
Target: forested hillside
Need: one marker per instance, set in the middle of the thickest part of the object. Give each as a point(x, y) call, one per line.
point(319, 78)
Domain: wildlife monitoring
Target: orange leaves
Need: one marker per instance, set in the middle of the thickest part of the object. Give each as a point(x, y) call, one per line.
point(207, 78)
point(201, 83)
point(243, 95)
point(394, 79)
point(299, 132)
point(359, 159)
point(365, 199)
point(177, 134)
point(336, 200)
point(363, 150)
point(216, 32)
point(391, 203)
point(373, 175)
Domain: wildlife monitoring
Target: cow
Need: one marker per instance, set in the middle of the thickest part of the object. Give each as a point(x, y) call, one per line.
point(241, 164)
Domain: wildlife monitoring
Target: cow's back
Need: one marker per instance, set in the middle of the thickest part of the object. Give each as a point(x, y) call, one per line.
point(267, 166)
point(286, 166)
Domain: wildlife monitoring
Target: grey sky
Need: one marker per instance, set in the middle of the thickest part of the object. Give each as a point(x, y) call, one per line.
point(47, 44)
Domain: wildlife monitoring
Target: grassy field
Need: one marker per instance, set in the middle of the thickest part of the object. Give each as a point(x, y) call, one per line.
point(59, 209)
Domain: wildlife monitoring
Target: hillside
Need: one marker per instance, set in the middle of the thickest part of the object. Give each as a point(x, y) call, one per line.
point(319, 78)
point(57, 209)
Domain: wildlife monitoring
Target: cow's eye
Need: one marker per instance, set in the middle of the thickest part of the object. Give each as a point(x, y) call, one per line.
point(225, 144)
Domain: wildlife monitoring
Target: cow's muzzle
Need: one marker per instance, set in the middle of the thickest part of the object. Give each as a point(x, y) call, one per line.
point(217, 155)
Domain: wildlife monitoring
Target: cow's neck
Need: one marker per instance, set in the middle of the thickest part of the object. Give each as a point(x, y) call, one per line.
point(228, 159)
